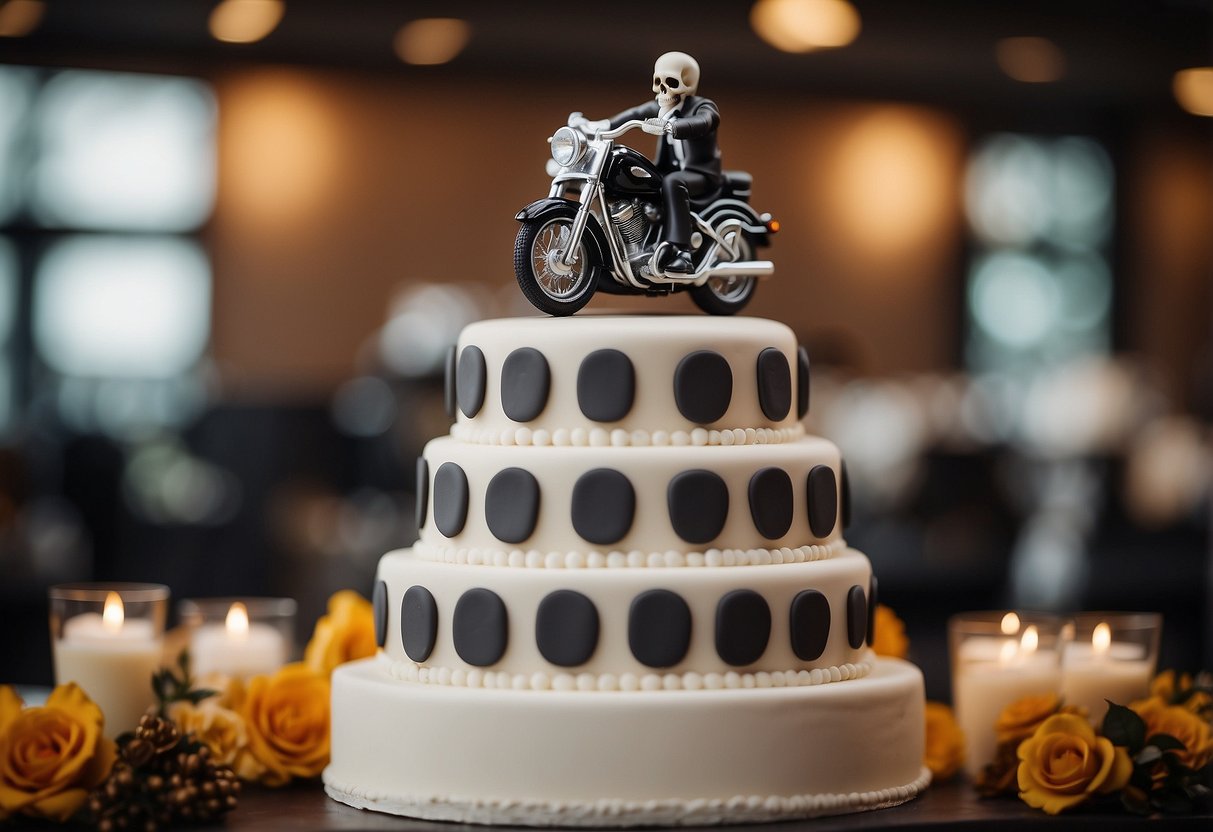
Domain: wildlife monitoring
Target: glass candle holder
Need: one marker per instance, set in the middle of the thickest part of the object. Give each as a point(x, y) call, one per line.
point(1112, 656)
point(239, 636)
point(107, 638)
point(997, 658)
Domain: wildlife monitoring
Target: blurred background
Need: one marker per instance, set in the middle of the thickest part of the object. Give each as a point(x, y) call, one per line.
point(236, 238)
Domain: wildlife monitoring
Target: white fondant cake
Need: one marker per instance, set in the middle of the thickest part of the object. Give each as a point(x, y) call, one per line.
point(631, 603)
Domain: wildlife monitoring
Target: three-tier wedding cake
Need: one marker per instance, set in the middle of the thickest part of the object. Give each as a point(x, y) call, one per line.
point(631, 602)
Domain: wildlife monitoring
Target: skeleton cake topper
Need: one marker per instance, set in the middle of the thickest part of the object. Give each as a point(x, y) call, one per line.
point(616, 222)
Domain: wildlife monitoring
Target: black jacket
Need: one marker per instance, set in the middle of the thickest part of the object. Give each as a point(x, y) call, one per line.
point(695, 124)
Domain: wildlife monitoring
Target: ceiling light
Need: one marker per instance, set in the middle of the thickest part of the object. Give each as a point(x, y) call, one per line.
point(245, 21)
point(431, 40)
point(20, 17)
point(805, 25)
point(1032, 60)
point(1194, 90)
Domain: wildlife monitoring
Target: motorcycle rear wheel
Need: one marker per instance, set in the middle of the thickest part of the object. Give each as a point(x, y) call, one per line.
point(728, 295)
point(549, 284)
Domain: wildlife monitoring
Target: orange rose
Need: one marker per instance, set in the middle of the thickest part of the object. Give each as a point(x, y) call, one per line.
point(1063, 763)
point(1021, 718)
point(1180, 723)
point(51, 757)
point(346, 633)
point(945, 748)
point(287, 719)
point(1169, 683)
point(889, 634)
point(222, 730)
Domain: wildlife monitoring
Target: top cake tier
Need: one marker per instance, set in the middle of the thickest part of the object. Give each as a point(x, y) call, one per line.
point(627, 380)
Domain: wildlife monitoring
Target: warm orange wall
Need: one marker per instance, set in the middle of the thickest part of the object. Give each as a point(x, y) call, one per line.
point(337, 190)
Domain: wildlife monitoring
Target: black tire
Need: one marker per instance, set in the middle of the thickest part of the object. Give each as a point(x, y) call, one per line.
point(728, 295)
point(548, 289)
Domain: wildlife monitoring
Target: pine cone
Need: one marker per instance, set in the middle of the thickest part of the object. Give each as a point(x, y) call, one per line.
point(162, 779)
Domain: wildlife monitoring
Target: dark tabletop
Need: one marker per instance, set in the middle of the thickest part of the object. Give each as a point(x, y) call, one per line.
point(305, 807)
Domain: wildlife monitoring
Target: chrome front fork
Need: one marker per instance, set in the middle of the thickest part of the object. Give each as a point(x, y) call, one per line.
point(579, 221)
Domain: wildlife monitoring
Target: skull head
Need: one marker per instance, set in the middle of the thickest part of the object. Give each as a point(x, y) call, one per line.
point(675, 76)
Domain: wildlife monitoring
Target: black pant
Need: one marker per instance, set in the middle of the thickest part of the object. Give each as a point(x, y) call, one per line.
point(677, 188)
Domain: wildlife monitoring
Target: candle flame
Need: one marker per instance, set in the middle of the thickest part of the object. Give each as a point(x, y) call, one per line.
point(1101, 638)
point(1010, 624)
point(1030, 641)
point(112, 614)
point(237, 621)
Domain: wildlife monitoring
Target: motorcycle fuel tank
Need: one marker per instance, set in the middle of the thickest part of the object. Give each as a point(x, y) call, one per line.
point(630, 173)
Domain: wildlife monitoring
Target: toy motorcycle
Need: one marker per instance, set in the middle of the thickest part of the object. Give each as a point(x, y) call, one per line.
point(600, 227)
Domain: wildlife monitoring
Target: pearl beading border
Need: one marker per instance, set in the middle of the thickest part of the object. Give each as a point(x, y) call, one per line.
point(618, 813)
point(711, 558)
point(407, 671)
point(602, 438)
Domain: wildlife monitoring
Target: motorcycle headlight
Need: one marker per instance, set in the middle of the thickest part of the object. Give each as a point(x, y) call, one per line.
point(567, 146)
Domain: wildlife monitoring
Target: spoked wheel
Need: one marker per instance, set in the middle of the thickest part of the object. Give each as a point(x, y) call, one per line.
point(728, 294)
point(550, 284)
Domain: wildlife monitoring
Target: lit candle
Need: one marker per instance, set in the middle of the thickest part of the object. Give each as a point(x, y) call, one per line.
point(991, 672)
point(1104, 670)
point(112, 658)
point(237, 647)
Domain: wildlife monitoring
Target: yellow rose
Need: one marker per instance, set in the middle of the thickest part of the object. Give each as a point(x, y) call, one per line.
point(223, 731)
point(1179, 722)
point(1064, 762)
point(345, 634)
point(1022, 717)
point(51, 757)
point(889, 634)
point(1169, 683)
point(945, 749)
point(287, 719)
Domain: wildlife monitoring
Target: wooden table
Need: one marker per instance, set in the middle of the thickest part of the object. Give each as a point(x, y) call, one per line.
point(304, 808)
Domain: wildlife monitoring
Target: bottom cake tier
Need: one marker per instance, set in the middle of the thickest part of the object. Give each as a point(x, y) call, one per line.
point(612, 758)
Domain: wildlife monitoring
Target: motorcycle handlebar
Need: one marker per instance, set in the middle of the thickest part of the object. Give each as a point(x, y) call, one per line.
point(634, 124)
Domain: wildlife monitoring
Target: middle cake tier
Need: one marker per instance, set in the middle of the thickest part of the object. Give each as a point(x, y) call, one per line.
point(790, 625)
point(670, 506)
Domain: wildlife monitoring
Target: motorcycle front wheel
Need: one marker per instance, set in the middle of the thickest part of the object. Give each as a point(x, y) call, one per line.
point(727, 295)
point(547, 282)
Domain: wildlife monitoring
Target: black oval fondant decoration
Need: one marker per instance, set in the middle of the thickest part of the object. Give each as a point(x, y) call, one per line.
point(774, 384)
point(810, 624)
point(845, 488)
point(470, 378)
point(379, 604)
point(566, 628)
point(525, 382)
point(604, 504)
point(450, 499)
point(423, 491)
point(873, 600)
point(511, 505)
point(659, 628)
point(699, 505)
point(823, 500)
point(771, 503)
point(418, 623)
point(703, 386)
point(857, 617)
point(606, 386)
point(802, 382)
point(481, 627)
point(448, 375)
point(743, 627)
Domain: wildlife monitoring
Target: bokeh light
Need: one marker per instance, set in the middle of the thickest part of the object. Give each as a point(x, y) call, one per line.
point(16, 96)
point(1032, 60)
point(245, 21)
point(432, 40)
point(121, 151)
point(19, 18)
point(1193, 90)
point(805, 25)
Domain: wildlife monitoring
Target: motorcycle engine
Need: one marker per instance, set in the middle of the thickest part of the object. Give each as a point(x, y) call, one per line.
point(630, 219)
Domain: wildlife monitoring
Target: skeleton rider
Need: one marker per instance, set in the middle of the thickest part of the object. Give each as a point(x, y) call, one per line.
point(687, 154)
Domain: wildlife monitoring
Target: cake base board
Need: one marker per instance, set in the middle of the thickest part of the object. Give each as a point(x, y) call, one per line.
point(622, 814)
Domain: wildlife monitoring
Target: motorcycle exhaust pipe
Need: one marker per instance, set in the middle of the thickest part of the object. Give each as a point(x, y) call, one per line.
point(756, 268)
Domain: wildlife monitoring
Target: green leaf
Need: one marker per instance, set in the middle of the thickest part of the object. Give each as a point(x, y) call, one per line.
point(1123, 727)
